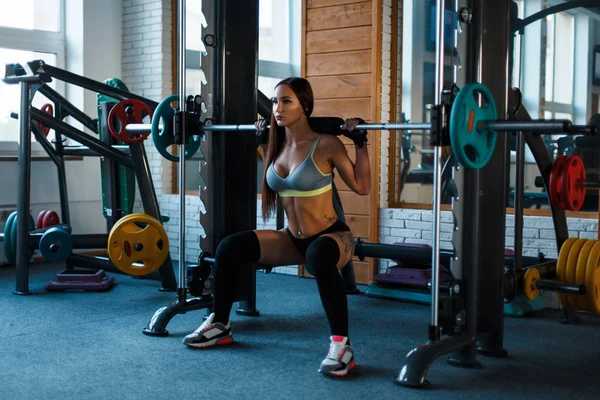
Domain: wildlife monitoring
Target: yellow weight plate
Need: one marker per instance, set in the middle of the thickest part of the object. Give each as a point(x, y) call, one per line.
point(594, 292)
point(579, 276)
point(584, 301)
point(590, 300)
point(259, 153)
point(138, 244)
point(570, 268)
point(561, 265)
point(532, 275)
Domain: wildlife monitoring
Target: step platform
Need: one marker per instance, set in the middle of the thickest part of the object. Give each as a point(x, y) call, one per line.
point(91, 280)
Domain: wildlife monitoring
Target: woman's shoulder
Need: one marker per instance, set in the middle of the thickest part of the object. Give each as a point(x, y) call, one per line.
point(330, 142)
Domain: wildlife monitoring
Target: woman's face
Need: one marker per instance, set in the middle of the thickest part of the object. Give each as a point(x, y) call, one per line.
point(286, 106)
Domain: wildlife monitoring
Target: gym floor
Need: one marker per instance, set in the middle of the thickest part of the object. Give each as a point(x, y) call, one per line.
point(82, 345)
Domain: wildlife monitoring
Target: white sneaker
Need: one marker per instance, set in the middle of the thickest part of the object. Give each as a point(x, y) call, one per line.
point(210, 334)
point(340, 358)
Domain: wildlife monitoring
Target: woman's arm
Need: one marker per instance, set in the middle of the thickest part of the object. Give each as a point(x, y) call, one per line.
point(356, 176)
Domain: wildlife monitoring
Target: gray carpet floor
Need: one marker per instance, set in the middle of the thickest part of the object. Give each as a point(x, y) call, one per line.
point(82, 345)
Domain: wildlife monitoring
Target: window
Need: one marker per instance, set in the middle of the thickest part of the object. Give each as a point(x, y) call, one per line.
point(279, 57)
point(34, 30)
point(558, 79)
point(278, 49)
point(278, 43)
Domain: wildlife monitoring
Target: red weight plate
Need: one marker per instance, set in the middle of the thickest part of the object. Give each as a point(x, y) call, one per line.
point(39, 220)
point(572, 181)
point(128, 112)
point(50, 219)
point(555, 186)
point(48, 109)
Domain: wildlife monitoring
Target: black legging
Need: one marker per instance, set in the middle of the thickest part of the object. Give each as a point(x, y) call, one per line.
point(244, 248)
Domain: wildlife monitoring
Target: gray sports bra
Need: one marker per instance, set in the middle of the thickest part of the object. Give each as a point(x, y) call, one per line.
point(306, 180)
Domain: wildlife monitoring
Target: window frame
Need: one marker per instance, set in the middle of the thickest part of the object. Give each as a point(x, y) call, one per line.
point(36, 41)
point(266, 68)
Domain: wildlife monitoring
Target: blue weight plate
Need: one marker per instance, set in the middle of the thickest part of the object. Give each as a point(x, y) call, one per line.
point(472, 144)
point(8, 250)
point(13, 237)
point(56, 244)
point(164, 138)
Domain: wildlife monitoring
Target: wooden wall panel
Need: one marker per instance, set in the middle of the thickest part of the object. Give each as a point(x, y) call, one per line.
point(329, 87)
point(339, 16)
point(343, 108)
point(328, 3)
point(363, 271)
point(352, 62)
point(341, 42)
point(356, 38)
point(359, 225)
point(355, 204)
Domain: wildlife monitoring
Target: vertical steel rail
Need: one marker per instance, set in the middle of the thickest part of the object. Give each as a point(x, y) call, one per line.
point(519, 202)
point(434, 332)
point(61, 170)
point(24, 192)
point(181, 85)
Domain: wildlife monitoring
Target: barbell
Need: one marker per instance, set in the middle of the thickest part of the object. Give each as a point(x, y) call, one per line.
point(472, 127)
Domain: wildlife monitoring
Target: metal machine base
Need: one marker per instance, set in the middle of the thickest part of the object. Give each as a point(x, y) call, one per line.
point(159, 321)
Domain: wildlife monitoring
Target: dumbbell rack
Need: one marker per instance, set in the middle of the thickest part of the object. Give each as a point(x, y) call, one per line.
point(32, 77)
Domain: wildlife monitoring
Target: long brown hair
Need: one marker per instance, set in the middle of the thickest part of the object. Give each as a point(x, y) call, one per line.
point(303, 92)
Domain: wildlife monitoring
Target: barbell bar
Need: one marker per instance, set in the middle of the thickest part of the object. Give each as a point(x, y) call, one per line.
point(550, 126)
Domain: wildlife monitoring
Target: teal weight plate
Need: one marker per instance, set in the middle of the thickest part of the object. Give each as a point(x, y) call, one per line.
point(164, 138)
point(11, 239)
point(8, 250)
point(472, 143)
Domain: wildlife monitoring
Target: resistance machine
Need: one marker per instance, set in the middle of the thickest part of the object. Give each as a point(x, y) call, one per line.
point(466, 313)
point(117, 107)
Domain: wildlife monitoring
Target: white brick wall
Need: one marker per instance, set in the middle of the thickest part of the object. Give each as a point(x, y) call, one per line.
point(415, 226)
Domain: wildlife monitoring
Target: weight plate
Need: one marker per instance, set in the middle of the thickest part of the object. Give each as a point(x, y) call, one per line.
point(592, 263)
point(163, 138)
point(571, 268)
point(138, 244)
point(39, 221)
point(48, 109)
point(594, 291)
point(473, 148)
point(8, 250)
point(56, 244)
point(11, 238)
point(50, 219)
point(590, 299)
point(561, 265)
point(578, 277)
point(128, 112)
point(555, 184)
point(532, 275)
point(572, 180)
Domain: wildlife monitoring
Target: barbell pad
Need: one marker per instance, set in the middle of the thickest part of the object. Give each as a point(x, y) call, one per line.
point(327, 125)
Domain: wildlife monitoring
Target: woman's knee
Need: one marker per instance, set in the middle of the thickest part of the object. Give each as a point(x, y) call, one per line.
point(239, 247)
point(322, 254)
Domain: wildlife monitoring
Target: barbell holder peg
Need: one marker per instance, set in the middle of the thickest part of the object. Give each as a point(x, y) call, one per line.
point(562, 287)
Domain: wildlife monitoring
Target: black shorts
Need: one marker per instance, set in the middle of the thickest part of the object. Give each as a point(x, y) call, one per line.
point(302, 244)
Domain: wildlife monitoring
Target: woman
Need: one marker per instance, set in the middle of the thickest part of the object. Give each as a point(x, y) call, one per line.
point(299, 166)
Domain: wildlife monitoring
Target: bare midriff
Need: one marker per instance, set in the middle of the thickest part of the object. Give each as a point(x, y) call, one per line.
point(311, 214)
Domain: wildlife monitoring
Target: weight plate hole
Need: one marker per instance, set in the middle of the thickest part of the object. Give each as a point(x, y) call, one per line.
point(471, 152)
point(127, 249)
